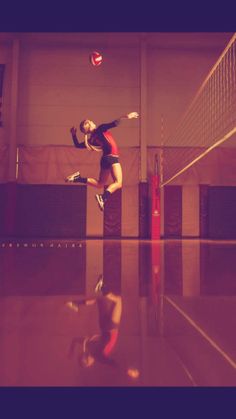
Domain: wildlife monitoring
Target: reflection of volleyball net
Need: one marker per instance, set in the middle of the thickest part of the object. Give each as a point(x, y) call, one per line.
point(208, 122)
point(2, 68)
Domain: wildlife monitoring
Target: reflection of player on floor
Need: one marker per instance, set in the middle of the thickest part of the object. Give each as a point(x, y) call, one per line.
point(100, 139)
point(99, 347)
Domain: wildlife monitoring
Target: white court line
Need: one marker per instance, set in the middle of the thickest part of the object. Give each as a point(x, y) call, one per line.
point(204, 334)
point(187, 372)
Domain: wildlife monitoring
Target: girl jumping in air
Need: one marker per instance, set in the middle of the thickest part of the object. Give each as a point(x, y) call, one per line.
point(100, 139)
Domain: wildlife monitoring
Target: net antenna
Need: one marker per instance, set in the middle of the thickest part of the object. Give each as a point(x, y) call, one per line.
point(158, 158)
point(210, 119)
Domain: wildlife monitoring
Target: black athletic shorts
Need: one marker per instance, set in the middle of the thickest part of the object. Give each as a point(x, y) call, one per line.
point(107, 161)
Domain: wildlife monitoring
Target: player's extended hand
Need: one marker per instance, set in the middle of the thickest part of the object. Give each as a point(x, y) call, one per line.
point(132, 115)
point(73, 131)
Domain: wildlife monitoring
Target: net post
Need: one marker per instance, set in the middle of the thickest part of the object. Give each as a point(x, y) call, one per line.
point(155, 203)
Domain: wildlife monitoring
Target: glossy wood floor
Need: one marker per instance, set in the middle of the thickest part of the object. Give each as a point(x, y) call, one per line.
point(173, 303)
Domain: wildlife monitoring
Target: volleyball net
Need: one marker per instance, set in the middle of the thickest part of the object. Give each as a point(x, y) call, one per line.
point(209, 121)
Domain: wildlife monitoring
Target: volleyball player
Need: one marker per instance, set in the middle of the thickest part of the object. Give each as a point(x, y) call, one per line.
point(100, 346)
point(99, 138)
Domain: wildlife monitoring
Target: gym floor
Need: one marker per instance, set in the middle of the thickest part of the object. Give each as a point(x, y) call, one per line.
point(177, 312)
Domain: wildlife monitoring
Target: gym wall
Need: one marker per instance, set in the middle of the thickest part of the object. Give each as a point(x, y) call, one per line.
point(58, 87)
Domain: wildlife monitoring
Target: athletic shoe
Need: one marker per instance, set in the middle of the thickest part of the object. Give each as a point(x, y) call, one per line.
point(72, 305)
point(100, 201)
point(72, 178)
point(99, 284)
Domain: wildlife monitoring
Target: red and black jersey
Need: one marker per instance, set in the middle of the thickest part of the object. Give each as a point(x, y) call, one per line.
point(101, 137)
point(101, 346)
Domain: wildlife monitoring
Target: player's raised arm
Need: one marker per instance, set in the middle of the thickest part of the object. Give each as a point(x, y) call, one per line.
point(76, 142)
point(130, 115)
point(105, 127)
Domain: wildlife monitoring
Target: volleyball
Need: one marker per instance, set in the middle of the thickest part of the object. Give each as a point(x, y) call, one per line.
point(95, 58)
